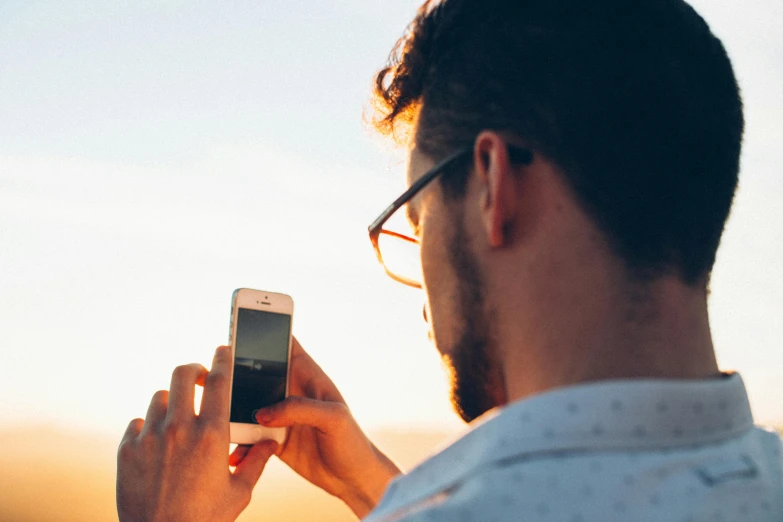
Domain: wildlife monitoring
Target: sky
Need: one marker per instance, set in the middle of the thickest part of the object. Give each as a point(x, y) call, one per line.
point(154, 156)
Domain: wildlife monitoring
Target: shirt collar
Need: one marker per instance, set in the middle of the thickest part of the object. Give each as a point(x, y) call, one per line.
point(621, 415)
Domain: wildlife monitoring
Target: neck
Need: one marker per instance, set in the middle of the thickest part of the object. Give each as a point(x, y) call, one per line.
point(593, 325)
point(564, 309)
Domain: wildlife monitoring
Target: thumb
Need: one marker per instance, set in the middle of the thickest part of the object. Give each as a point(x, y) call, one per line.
point(322, 415)
point(249, 470)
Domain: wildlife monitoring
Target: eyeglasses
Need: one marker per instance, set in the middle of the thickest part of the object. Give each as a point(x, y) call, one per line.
point(399, 252)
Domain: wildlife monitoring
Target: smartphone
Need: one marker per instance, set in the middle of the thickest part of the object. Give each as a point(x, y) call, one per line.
point(260, 339)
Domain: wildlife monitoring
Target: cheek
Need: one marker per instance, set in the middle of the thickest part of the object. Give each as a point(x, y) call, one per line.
point(440, 292)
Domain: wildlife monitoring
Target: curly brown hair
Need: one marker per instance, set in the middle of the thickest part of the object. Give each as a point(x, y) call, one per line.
point(636, 101)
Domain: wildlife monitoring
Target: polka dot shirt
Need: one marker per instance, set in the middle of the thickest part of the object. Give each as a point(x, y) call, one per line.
point(641, 450)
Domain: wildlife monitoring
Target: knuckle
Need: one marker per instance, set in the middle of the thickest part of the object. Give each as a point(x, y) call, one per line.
point(215, 378)
point(181, 371)
point(160, 396)
point(212, 434)
point(341, 415)
point(134, 427)
point(174, 432)
point(244, 494)
point(340, 410)
point(148, 443)
point(195, 368)
point(125, 452)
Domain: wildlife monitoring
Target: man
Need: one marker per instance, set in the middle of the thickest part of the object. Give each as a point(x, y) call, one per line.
point(571, 168)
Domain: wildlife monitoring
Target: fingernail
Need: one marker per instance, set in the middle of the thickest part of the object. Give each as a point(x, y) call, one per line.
point(264, 415)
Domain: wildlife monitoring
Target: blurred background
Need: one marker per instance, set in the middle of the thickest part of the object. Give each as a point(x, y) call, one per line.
point(154, 156)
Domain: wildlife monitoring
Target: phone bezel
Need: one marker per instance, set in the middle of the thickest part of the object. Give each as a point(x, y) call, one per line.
point(246, 433)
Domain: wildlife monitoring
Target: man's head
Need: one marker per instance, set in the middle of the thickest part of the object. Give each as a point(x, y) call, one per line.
point(633, 105)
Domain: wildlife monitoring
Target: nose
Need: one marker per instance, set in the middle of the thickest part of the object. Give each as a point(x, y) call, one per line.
point(424, 313)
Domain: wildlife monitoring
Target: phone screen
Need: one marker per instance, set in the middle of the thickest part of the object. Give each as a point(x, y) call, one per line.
point(260, 362)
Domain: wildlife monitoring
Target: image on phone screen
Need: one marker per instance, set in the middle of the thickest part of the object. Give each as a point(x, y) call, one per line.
point(260, 362)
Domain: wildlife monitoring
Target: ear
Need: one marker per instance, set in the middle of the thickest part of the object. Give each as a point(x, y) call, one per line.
point(498, 196)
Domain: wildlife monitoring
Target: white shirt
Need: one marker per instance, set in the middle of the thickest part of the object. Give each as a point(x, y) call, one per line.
point(626, 450)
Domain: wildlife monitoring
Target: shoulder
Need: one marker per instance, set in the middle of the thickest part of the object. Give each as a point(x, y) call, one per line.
point(738, 477)
point(556, 488)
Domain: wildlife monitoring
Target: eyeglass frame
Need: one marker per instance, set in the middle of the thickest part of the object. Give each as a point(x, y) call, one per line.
point(516, 154)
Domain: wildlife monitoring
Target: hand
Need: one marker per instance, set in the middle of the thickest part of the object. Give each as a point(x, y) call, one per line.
point(325, 445)
point(173, 466)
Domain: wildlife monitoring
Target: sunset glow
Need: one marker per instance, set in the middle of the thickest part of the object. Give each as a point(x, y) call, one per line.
point(157, 156)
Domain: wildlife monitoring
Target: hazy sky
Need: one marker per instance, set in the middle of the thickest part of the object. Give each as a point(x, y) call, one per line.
point(154, 156)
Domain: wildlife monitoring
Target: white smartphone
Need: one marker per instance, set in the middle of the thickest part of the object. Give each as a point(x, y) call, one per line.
point(260, 339)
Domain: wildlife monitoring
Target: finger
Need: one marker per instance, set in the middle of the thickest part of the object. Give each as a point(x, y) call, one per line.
point(132, 431)
point(321, 415)
point(308, 379)
point(303, 359)
point(183, 391)
point(156, 413)
point(238, 455)
point(249, 470)
point(296, 348)
point(217, 393)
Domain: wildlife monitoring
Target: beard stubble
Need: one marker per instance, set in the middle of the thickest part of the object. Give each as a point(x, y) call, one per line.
point(477, 381)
